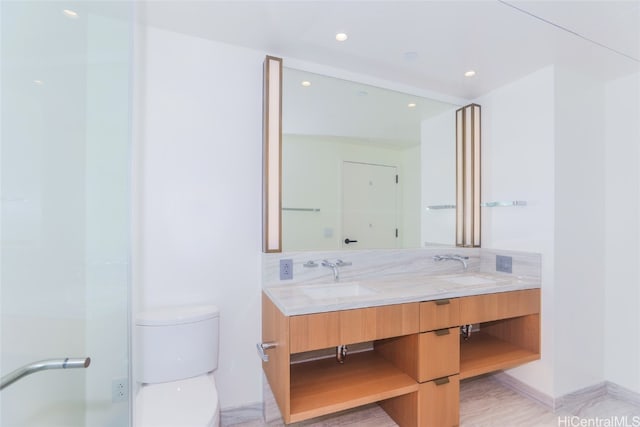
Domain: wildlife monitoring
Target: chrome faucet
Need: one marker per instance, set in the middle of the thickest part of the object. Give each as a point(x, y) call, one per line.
point(462, 259)
point(335, 267)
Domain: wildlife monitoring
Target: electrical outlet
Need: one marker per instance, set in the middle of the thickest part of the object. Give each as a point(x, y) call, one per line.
point(286, 269)
point(504, 264)
point(119, 390)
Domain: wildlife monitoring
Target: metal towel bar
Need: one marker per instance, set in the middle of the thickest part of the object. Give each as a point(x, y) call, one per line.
point(68, 363)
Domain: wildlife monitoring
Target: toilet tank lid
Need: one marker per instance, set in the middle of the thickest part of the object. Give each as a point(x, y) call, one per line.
point(176, 315)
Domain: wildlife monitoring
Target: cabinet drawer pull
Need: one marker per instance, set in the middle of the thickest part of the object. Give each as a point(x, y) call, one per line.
point(441, 332)
point(441, 381)
point(443, 301)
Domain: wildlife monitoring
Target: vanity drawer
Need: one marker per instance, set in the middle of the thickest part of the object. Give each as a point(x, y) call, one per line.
point(438, 353)
point(439, 402)
point(322, 330)
point(504, 305)
point(439, 314)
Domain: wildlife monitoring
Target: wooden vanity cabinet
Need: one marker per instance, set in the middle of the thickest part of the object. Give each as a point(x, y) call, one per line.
point(318, 387)
point(418, 360)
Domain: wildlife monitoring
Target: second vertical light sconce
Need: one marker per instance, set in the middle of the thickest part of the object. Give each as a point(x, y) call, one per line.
point(468, 176)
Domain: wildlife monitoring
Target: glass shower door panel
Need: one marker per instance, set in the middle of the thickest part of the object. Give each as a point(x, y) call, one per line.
point(64, 157)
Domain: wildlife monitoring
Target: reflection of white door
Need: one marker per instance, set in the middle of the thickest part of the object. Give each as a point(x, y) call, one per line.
point(369, 217)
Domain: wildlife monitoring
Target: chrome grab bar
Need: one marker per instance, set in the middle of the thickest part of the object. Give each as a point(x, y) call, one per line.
point(262, 347)
point(68, 363)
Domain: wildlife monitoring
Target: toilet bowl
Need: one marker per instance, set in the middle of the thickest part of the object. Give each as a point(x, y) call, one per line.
point(178, 354)
point(185, 403)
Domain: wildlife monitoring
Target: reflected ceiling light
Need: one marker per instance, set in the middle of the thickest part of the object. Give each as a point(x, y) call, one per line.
point(70, 13)
point(341, 37)
point(306, 83)
point(411, 105)
point(38, 82)
point(362, 93)
point(470, 73)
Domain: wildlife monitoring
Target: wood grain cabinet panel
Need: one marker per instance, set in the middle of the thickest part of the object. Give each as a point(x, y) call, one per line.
point(503, 305)
point(439, 403)
point(275, 329)
point(374, 323)
point(439, 314)
point(439, 354)
point(323, 330)
point(314, 331)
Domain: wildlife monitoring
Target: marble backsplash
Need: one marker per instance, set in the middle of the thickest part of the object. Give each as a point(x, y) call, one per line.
point(368, 264)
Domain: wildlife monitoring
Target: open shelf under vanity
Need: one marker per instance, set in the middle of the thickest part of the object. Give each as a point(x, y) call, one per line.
point(324, 386)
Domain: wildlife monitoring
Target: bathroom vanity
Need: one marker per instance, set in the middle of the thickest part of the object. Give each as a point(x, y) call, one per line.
point(417, 354)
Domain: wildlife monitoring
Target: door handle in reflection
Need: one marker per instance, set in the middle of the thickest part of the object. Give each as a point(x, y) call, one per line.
point(347, 241)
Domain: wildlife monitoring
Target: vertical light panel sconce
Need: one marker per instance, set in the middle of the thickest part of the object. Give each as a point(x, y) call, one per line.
point(271, 153)
point(468, 176)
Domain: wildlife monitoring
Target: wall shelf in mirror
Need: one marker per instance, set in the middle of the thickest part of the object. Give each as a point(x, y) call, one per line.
point(507, 204)
point(504, 204)
point(301, 209)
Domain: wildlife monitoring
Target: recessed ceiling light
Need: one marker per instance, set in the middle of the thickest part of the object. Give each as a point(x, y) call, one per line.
point(410, 56)
point(411, 105)
point(470, 73)
point(306, 83)
point(70, 13)
point(341, 37)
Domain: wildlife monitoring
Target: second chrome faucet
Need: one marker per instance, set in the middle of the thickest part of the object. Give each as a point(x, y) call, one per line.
point(455, 257)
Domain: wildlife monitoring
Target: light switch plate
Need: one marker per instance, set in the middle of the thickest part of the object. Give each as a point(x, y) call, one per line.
point(504, 264)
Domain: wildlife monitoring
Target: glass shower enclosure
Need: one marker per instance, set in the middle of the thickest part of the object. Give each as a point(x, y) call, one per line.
point(65, 99)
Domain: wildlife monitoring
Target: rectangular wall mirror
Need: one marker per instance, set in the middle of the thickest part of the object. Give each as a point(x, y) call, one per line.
point(364, 167)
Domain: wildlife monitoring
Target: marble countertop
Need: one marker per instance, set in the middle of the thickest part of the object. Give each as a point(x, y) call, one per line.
point(318, 298)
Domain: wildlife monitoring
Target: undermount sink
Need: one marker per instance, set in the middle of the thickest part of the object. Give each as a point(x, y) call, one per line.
point(338, 290)
point(469, 280)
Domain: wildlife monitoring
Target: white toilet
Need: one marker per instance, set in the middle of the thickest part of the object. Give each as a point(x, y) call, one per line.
point(178, 354)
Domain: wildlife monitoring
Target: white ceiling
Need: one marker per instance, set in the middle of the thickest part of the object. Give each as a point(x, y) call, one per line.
point(501, 40)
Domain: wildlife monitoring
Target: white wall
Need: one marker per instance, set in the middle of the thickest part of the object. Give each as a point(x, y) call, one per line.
point(544, 142)
point(200, 185)
point(622, 317)
point(579, 232)
point(518, 164)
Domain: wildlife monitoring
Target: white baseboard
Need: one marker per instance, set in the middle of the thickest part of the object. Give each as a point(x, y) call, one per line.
point(576, 398)
point(622, 393)
point(524, 389)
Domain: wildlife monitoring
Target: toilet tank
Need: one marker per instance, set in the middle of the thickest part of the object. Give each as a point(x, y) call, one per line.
point(177, 342)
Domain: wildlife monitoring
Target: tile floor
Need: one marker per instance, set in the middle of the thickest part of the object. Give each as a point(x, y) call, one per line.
point(487, 403)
